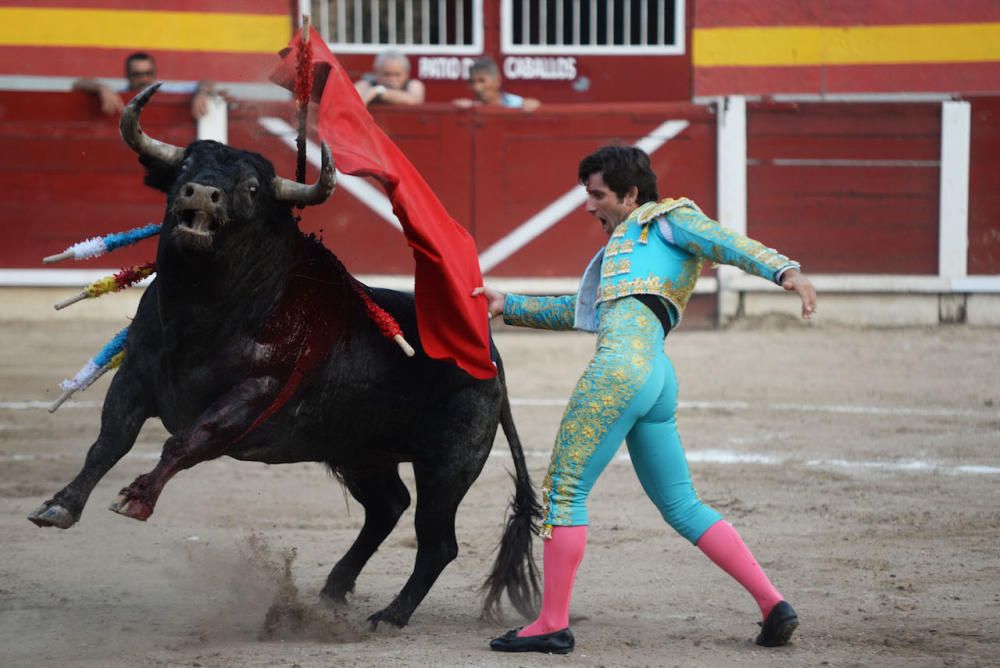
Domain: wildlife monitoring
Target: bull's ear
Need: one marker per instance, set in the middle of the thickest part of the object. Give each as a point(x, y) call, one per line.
point(159, 175)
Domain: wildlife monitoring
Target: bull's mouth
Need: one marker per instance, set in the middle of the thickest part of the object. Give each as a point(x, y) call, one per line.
point(198, 223)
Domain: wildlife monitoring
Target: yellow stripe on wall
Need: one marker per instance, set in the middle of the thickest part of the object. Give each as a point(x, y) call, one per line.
point(851, 45)
point(173, 31)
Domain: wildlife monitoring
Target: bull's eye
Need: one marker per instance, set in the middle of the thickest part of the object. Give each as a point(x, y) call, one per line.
point(252, 190)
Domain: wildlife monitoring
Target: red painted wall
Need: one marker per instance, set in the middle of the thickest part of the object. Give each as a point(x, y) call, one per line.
point(66, 175)
point(984, 187)
point(77, 61)
point(846, 188)
point(906, 70)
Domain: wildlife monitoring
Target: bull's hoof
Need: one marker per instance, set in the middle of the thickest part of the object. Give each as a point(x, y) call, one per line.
point(333, 600)
point(389, 616)
point(52, 515)
point(335, 591)
point(131, 507)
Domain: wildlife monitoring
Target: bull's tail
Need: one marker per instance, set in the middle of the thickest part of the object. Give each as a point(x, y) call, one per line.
point(514, 568)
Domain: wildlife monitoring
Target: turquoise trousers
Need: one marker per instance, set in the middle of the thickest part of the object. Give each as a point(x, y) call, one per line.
point(628, 392)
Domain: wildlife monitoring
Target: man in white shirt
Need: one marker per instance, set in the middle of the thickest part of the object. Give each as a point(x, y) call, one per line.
point(390, 83)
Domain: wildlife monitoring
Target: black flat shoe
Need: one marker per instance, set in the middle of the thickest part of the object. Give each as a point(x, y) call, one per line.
point(557, 642)
point(777, 629)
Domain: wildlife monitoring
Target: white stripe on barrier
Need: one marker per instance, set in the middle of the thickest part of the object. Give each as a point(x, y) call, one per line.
point(530, 229)
point(953, 200)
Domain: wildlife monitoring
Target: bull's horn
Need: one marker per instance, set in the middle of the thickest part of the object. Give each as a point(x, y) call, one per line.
point(303, 195)
point(139, 141)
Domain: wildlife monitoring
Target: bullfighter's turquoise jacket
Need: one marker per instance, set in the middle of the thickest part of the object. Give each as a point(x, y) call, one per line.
point(659, 250)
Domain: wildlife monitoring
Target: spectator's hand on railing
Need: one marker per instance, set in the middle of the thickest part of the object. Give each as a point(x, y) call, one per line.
point(199, 104)
point(202, 96)
point(111, 102)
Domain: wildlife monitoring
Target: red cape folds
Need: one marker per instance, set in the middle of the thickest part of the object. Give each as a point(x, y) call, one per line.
point(453, 325)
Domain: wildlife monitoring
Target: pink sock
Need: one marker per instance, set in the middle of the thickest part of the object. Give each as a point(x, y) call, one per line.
point(562, 555)
point(724, 546)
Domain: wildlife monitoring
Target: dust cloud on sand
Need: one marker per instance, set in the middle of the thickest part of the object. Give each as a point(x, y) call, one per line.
point(247, 591)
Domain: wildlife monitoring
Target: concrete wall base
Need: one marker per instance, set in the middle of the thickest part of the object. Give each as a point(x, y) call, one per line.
point(983, 310)
point(866, 309)
point(35, 304)
point(871, 309)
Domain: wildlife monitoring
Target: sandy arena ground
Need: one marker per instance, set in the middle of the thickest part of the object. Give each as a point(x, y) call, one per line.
point(861, 466)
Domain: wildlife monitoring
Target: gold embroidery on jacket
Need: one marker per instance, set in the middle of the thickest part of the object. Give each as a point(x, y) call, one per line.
point(676, 291)
point(539, 312)
point(619, 248)
point(648, 212)
point(644, 235)
point(750, 252)
point(612, 267)
point(714, 243)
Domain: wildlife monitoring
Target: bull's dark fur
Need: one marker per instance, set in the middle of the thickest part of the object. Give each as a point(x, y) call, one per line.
point(229, 326)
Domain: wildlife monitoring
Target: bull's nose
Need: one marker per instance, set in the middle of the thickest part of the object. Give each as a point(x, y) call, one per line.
point(198, 196)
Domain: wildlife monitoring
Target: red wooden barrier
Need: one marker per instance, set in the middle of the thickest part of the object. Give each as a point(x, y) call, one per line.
point(66, 175)
point(65, 169)
point(984, 187)
point(845, 188)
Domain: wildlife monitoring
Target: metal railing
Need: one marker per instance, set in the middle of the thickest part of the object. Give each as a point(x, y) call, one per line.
point(608, 27)
point(413, 26)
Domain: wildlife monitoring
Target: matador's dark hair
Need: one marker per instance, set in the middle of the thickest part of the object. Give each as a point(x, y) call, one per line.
point(622, 167)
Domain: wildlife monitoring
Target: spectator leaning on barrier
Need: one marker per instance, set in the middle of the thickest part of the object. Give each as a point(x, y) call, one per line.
point(140, 71)
point(390, 83)
point(487, 85)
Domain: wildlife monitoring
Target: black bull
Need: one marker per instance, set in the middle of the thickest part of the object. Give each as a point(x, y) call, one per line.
point(254, 342)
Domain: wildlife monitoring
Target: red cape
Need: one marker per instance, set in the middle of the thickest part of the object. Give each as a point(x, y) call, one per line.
point(453, 325)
